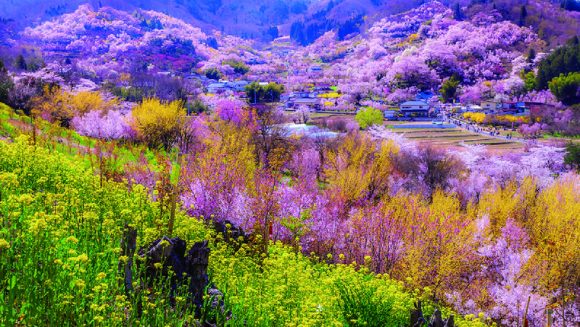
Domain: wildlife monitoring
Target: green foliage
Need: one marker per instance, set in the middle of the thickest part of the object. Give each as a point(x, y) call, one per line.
point(238, 66)
point(449, 89)
point(572, 157)
point(6, 83)
point(133, 94)
point(273, 91)
point(257, 93)
point(563, 60)
point(196, 107)
point(531, 55)
point(523, 15)
point(567, 88)
point(362, 308)
point(213, 73)
point(368, 117)
point(530, 81)
point(20, 62)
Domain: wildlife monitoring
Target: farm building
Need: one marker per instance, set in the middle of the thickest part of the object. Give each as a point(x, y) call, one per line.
point(414, 109)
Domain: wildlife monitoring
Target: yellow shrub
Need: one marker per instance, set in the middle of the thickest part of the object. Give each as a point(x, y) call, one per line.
point(159, 123)
point(477, 117)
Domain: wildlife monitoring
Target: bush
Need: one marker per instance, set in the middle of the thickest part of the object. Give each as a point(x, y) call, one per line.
point(563, 60)
point(238, 66)
point(213, 73)
point(159, 124)
point(59, 106)
point(572, 157)
point(566, 88)
point(368, 117)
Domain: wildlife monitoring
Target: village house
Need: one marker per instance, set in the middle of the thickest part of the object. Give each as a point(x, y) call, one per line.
point(391, 114)
point(323, 87)
point(536, 109)
point(315, 70)
point(216, 87)
point(222, 86)
point(474, 108)
point(490, 106)
point(238, 86)
point(415, 108)
point(312, 103)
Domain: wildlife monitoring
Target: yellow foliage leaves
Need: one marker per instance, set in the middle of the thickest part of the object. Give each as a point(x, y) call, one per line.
point(477, 117)
point(330, 95)
point(359, 169)
point(439, 238)
point(554, 227)
point(159, 123)
point(61, 106)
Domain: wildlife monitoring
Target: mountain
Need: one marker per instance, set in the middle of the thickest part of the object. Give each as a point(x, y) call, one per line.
point(387, 50)
point(304, 20)
point(250, 19)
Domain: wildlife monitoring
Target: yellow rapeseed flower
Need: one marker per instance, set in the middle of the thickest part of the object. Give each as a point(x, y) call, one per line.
point(72, 239)
point(80, 284)
point(83, 258)
point(4, 244)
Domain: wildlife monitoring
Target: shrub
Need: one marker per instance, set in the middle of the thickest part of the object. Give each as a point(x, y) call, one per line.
point(567, 88)
point(159, 124)
point(572, 157)
point(213, 73)
point(564, 60)
point(238, 66)
point(368, 117)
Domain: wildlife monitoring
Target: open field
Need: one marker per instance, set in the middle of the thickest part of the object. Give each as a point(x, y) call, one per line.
point(453, 137)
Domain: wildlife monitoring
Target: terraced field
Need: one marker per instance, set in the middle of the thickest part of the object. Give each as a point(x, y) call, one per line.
point(455, 137)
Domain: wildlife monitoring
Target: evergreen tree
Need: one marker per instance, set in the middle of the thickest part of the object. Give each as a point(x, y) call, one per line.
point(563, 60)
point(449, 89)
point(523, 15)
point(6, 83)
point(20, 62)
point(531, 55)
point(566, 88)
point(457, 14)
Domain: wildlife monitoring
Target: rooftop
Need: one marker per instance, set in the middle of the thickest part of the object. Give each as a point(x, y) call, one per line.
point(415, 103)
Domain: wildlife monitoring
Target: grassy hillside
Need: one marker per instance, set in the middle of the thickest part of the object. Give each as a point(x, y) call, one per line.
point(59, 254)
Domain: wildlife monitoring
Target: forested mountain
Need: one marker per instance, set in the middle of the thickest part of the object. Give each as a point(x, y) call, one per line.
point(303, 20)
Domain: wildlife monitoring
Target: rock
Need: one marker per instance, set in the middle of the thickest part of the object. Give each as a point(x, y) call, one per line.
point(418, 320)
point(196, 268)
point(229, 231)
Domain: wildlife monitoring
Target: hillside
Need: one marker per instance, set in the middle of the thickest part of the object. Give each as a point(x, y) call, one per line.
point(255, 20)
point(289, 163)
point(71, 252)
point(252, 19)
